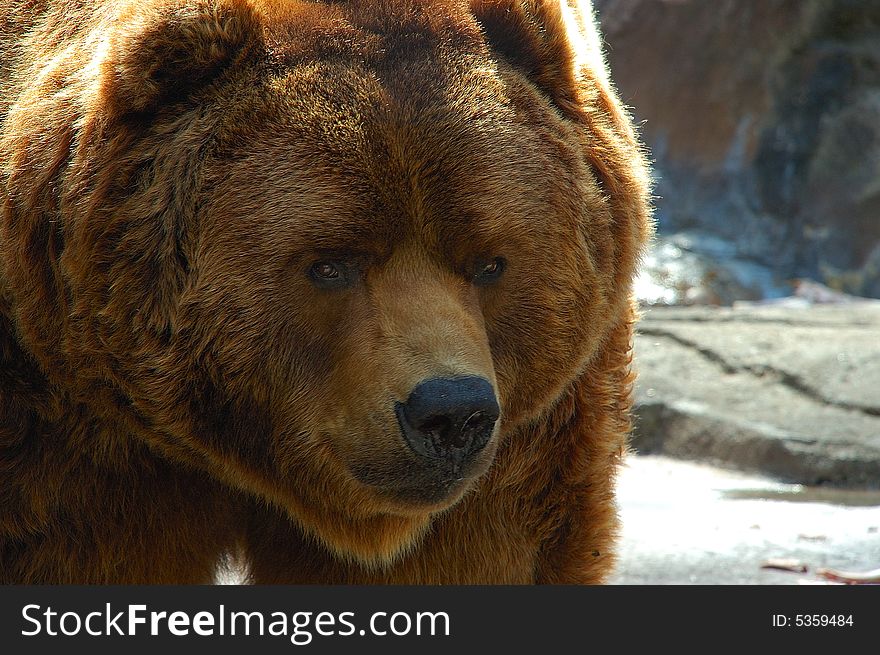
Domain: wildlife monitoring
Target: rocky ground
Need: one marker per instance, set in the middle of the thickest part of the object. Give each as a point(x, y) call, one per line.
point(788, 390)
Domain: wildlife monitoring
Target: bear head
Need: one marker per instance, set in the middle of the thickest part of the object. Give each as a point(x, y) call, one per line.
point(333, 253)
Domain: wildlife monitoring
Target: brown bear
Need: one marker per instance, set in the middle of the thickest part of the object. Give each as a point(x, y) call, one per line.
point(341, 289)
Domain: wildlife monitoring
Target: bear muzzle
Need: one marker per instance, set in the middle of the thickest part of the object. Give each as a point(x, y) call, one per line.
point(446, 427)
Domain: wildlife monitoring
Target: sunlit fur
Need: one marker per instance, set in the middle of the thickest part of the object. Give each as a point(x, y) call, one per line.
point(174, 387)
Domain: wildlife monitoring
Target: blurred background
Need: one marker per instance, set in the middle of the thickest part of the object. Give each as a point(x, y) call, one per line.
point(757, 448)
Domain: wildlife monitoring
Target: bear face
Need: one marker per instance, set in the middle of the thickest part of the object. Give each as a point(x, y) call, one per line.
point(291, 229)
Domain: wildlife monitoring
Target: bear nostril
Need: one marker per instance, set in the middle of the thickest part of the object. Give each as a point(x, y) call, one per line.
point(437, 428)
point(477, 430)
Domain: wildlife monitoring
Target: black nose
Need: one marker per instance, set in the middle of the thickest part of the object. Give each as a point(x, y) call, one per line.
point(451, 418)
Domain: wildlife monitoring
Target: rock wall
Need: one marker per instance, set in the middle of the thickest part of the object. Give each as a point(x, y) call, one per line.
point(763, 117)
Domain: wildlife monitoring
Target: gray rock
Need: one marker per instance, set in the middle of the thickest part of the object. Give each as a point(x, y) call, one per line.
point(793, 392)
point(763, 117)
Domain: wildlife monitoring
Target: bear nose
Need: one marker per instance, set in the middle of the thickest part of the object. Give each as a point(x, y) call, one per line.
point(451, 418)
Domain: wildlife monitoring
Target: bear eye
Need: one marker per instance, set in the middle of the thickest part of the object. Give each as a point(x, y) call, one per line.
point(489, 271)
point(325, 271)
point(330, 275)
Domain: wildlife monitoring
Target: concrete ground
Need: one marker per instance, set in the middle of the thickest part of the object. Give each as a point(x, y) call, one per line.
point(691, 523)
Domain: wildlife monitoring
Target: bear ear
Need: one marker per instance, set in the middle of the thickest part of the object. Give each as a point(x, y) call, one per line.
point(554, 42)
point(167, 51)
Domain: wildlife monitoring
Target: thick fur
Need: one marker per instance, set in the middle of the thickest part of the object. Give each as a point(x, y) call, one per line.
point(174, 389)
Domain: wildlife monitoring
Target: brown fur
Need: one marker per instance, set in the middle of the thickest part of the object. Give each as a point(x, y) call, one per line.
point(173, 388)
